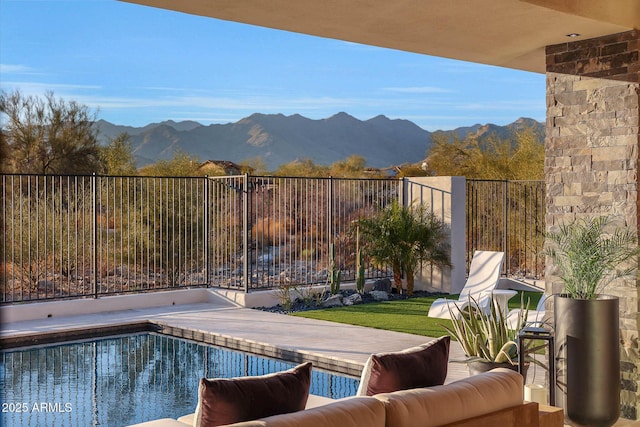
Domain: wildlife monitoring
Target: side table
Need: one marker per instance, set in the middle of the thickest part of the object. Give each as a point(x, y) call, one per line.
point(502, 297)
point(539, 334)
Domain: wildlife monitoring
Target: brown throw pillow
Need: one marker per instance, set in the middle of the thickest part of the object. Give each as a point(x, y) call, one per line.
point(227, 401)
point(422, 366)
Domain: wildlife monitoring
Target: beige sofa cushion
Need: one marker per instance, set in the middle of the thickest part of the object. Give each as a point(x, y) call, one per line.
point(314, 401)
point(188, 419)
point(466, 398)
point(348, 412)
point(162, 422)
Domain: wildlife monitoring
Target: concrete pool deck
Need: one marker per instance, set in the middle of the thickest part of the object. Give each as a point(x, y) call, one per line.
point(342, 348)
point(333, 346)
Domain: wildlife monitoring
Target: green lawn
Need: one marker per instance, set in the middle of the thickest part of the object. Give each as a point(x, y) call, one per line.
point(409, 315)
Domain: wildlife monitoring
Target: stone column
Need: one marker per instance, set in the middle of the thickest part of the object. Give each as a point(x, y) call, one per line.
point(591, 160)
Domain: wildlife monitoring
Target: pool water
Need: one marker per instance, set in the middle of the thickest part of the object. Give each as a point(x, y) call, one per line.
point(126, 380)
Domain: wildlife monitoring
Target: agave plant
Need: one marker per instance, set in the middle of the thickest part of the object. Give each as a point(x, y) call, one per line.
point(589, 258)
point(485, 336)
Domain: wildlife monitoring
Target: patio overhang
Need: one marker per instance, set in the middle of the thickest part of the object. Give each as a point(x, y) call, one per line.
point(506, 33)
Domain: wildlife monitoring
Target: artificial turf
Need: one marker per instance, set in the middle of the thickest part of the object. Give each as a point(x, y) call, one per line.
point(406, 315)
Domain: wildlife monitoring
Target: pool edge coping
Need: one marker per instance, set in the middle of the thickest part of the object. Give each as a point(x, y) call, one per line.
point(328, 363)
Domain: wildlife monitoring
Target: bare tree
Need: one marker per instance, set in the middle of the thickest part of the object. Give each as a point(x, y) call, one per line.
point(48, 135)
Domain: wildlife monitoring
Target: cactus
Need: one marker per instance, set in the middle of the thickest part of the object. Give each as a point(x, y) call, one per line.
point(334, 275)
point(360, 273)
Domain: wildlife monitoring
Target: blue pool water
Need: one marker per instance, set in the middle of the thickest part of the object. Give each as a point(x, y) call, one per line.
point(125, 380)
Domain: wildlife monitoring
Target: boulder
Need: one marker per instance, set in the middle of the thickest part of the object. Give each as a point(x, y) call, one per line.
point(352, 299)
point(333, 301)
point(382, 285)
point(379, 295)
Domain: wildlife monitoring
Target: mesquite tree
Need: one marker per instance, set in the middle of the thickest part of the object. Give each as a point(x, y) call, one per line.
point(47, 135)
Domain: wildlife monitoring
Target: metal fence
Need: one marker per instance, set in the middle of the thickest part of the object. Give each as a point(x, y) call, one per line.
point(290, 223)
point(75, 236)
point(70, 236)
point(508, 216)
point(79, 236)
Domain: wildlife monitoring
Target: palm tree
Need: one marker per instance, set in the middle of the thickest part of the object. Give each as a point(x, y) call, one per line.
point(405, 237)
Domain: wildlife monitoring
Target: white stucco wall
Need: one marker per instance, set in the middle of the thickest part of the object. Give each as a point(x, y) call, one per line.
point(447, 197)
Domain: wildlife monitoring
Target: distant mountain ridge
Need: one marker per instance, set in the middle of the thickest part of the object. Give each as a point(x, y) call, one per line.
point(280, 139)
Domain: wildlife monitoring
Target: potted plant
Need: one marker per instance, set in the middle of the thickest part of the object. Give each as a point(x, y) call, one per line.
point(485, 337)
point(588, 254)
point(404, 237)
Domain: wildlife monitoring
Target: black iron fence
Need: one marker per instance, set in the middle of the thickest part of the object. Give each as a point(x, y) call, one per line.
point(86, 236)
point(508, 216)
point(282, 227)
point(77, 236)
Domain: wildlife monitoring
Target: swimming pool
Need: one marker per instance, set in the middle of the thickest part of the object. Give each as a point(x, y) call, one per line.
point(124, 380)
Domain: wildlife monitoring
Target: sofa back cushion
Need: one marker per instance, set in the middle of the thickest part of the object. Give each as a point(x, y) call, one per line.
point(225, 401)
point(348, 412)
point(421, 366)
point(467, 398)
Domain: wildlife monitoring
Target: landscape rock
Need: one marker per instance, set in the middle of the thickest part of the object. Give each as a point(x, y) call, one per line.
point(333, 301)
point(302, 305)
point(382, 285)
point(379, 295)
point(352, 299)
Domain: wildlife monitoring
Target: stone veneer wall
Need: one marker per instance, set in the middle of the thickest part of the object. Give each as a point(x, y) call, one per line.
point(591, 160)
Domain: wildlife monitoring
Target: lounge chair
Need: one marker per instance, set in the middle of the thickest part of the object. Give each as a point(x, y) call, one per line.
point(535, 318)
point(484, 274)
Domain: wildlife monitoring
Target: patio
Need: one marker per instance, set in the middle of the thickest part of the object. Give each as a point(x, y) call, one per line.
point(589, 52)
point(341, 349)
point(589, 91)
point(344, 349)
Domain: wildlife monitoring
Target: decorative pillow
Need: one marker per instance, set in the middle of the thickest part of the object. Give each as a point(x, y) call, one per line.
point(226, 401)
point(422, 366)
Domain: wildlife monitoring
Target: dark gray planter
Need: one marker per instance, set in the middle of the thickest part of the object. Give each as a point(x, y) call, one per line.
point(588, 359)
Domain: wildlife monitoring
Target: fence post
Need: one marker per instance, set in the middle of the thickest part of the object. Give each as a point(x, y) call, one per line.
point(207, 247)
point(94, 233)
point(505, 231)
point(244, 193)
point(330, 214)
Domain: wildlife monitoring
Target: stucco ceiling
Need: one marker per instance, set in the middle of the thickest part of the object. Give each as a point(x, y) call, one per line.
point(507, 33)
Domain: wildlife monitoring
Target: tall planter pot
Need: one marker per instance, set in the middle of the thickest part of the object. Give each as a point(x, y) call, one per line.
point(588, 359)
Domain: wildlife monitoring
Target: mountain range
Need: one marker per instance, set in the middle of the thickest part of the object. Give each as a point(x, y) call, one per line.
point(280, 139)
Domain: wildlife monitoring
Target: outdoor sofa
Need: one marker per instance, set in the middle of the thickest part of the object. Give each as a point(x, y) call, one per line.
point(494, 398)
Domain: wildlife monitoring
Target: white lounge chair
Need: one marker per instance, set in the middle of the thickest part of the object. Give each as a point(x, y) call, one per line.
point(484, 274)
point(535, 318)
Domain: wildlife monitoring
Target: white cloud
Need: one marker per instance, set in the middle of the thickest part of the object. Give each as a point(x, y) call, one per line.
point(140, 105)
point(16, 69)
point(35, 88)
point(523, 105)
point(417, 89)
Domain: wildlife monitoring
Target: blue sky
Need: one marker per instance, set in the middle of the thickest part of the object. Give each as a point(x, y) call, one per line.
point(135, 65)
